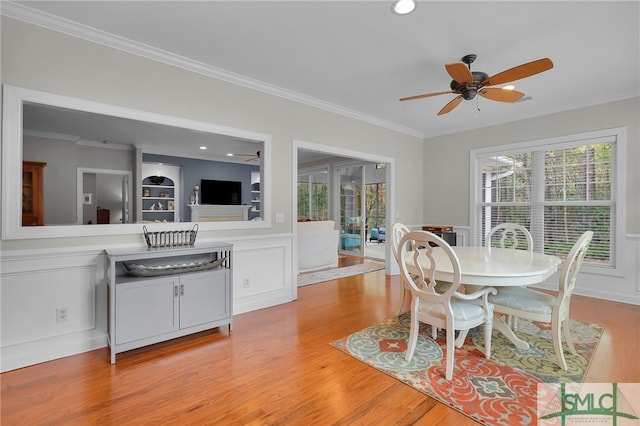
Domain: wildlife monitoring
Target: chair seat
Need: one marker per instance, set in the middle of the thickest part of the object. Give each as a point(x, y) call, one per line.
point(462, 311)
point(523, 299)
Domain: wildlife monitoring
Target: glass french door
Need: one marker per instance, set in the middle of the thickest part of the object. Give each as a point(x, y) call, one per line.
point(313, 194)
point(351, 207)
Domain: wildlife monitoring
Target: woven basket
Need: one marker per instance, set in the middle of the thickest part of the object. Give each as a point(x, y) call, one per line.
point(171, 238)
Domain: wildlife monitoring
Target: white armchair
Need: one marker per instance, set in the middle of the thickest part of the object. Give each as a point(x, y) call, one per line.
point(317, 245)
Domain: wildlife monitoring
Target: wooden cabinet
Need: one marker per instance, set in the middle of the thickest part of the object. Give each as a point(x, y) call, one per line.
point(443, 231)
point(32, 193)
point(103, 216)
point(144, 310)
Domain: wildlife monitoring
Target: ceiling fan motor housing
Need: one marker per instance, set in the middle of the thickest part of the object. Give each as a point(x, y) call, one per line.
point(469, 91)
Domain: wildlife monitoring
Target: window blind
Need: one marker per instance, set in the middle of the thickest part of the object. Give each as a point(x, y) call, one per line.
point(556, 191)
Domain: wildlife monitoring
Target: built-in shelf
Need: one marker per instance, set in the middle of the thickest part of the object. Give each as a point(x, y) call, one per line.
point(255, 195)
point(158, 202)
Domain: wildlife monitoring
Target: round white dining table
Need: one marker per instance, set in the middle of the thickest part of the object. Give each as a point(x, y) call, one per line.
point(494, 267)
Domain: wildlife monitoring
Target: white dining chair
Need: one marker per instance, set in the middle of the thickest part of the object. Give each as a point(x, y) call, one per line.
point(398, 230)
point(509, 235)
point(450, 309)
point(538, 306)
point(514, 236)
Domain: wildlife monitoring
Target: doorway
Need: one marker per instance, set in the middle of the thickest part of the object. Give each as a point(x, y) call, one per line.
point(348, 216)
point(103, 196)
point(351, 220)
point(375, 201)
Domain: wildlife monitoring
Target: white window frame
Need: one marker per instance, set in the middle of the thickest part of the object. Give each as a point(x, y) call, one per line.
point(619, 181)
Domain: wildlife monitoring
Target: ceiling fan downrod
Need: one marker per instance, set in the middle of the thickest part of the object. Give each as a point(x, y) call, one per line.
point(468, 59)
point(469, 91)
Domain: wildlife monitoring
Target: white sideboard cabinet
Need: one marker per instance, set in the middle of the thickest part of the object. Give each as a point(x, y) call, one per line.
point(157, 294)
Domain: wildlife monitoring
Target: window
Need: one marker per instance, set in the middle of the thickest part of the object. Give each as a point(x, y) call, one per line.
point(313, 195)
point(376, 204)
point(557, 189)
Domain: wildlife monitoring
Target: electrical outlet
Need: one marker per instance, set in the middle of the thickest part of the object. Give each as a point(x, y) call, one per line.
point(62, 314)
point(246, 282)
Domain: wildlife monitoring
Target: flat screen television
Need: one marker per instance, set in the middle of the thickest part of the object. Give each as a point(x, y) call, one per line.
point(223, 192)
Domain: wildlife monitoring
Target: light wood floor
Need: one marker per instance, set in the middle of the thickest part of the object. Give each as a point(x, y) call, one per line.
point(276, 368)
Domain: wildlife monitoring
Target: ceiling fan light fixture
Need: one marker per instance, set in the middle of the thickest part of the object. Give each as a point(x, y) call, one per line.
point(466, 84)
point(403, 7)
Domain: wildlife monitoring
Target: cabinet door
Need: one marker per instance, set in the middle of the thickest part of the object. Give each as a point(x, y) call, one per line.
point(204, 298)
point(146, 308)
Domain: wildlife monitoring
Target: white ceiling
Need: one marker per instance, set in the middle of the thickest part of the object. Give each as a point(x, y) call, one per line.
point(357, 58)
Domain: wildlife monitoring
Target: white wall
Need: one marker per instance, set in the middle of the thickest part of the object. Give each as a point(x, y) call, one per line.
point(41, 59)
point(449, 156)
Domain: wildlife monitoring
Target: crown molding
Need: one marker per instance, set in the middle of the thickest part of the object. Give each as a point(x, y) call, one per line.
point(51, 135)
point(32, 16)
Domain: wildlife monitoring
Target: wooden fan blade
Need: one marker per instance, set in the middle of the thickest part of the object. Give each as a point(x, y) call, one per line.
point(451, 105)
point(426, 95)
point(521, 71)
point(502, 95)
point(459, 72)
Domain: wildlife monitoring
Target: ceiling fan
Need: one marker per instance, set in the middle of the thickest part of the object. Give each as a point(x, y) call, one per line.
point(252, 157)
point(467, 84)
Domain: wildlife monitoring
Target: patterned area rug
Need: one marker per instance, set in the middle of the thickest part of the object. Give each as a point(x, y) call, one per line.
point(496, 391)
point(335, 273)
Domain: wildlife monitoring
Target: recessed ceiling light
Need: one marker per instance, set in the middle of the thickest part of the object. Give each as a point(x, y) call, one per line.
point(510, 87)
point(403, 7)
point(229, 154)
point(203, 147)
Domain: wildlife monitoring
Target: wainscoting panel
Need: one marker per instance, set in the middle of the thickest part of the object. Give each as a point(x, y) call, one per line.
point(35, 284)
point(34, 287)
point(262, 273)
point(65, 303)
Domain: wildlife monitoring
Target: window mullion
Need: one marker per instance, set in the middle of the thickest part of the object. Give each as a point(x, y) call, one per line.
point(537, 201)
